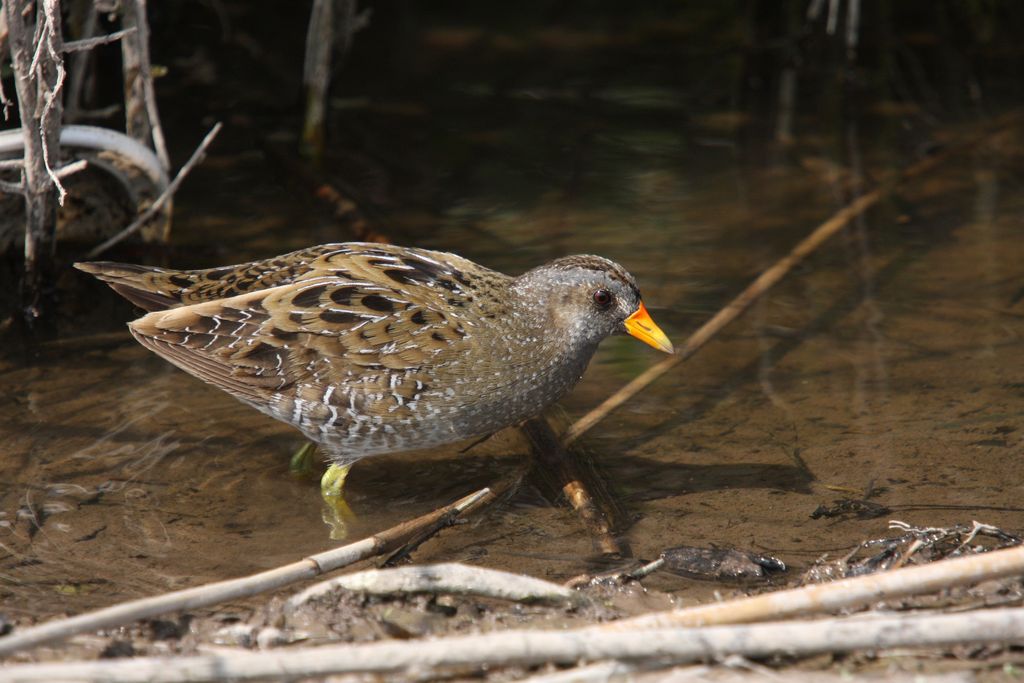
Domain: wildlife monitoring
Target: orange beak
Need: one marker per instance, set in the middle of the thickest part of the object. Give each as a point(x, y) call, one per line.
point(640, 325)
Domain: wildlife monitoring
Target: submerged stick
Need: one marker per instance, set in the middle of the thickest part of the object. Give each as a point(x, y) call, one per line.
point(774, 275)
point(530, 647)
point(843, 594)
point(214, 593)
point(565, 465)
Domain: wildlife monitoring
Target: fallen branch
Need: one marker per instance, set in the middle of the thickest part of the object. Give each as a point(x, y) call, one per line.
point(526, 648)
point(775, 273)
point(843, 594)
point(449, 578)
point(164, 197)
point(221, 591)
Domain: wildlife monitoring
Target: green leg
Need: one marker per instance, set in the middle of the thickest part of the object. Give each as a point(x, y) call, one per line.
point(336, 512)
point(303, 461)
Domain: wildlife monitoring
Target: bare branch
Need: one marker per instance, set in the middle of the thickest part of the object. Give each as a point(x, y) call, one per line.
point(48, 35)
point(89, 43)
point(74, 167)
point(141, 117)
point(137, 224)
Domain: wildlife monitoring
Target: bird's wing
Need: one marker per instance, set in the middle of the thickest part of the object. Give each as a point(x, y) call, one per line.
point(155, 289)
point(381, 322)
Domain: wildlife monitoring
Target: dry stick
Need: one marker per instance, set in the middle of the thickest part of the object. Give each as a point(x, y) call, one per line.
point(142, 121)
point(232, 589)
point(842, 594)
point(530, 647)
point(89, 43)
point(774, 274)
point(164, 197)
point(79, 63)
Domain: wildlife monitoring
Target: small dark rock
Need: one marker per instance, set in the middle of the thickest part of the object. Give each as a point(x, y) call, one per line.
point(849, 507)
point(720, 563)
point(165, 629)
point(117, 649)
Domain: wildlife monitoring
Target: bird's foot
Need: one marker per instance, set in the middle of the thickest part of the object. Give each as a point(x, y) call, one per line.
point(333, 481)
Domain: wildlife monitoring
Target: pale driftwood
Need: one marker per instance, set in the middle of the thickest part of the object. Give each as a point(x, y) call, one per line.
point(164, 197)
point(773, 275)
point(521, 647)
point(101, 140)
point(857, 592)
point(232, 589)
point(449, 578)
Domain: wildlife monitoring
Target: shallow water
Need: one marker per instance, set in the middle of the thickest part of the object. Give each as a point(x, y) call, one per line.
point(889, 366)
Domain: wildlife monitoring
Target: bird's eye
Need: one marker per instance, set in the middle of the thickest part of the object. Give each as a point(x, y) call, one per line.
point(603, 298)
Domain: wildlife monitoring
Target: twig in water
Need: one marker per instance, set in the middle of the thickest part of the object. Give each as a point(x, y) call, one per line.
point(494, 492)
point(774, 274)
point(555, 458)
point(214, 593)
point(164, 197)
point(448, 578)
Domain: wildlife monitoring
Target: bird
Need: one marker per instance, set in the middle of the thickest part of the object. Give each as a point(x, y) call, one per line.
point(370, 348)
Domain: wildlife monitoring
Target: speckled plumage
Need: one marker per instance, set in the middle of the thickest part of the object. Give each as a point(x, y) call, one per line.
point(370, 348)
